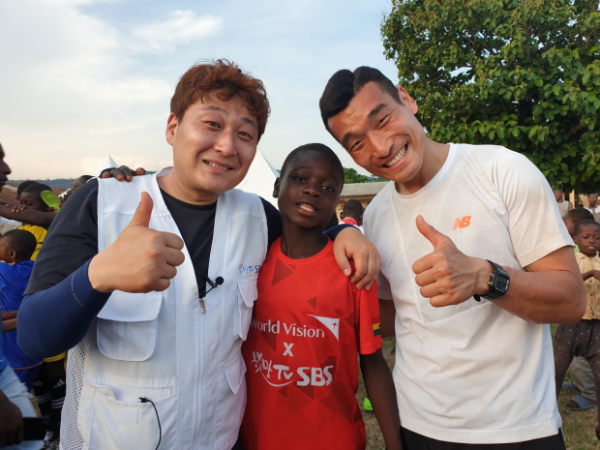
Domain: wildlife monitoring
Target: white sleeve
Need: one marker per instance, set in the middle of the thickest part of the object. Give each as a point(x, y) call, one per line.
point(7, 225)
point(384, 291)
point(534, 223)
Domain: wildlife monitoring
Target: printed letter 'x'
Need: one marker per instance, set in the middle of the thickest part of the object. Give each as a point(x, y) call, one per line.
point(288, 349)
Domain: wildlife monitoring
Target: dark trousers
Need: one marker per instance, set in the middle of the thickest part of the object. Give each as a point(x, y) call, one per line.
point(238, 445)
point(414, 441)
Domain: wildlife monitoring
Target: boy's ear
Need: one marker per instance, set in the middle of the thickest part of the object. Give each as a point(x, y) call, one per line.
point(342, 215)
point(12, 254)
point(276, 188)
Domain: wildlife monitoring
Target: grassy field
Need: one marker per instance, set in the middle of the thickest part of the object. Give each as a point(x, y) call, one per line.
point(578, 426)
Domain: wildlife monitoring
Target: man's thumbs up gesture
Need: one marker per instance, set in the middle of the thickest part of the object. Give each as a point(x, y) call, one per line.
point(141, 259)
point(447, 276)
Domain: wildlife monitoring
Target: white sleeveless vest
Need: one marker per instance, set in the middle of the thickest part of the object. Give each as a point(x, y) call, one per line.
point(162, 346)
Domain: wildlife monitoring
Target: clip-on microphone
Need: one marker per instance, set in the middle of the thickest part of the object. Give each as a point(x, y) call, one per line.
point(213, 284)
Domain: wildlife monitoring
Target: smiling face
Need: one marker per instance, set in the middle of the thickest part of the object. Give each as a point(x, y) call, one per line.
point(213, 147)
point(309, 190)
point(381, 135)
point(588, 239)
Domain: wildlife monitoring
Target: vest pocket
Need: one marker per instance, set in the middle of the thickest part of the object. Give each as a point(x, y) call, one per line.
point(127, 325)
point(247, 295)
point(107, 423)
point(231, 404)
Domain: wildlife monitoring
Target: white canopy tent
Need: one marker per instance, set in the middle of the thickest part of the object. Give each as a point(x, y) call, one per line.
point(260, 179)
point(108, 162)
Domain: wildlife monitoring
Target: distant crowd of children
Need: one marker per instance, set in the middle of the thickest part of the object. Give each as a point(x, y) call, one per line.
point(20, 244)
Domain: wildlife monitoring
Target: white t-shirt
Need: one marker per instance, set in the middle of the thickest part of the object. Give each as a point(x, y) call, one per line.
point(7, 225)
point(595, 210)
point(470, 373)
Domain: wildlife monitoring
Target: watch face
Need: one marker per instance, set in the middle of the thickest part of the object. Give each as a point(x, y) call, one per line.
point(501, 284)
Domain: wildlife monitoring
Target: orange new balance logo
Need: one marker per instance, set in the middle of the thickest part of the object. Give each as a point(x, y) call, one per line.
point(462, 222)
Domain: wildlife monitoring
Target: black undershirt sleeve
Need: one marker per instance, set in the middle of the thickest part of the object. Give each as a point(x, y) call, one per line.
point(71, 240)
point(274, 222)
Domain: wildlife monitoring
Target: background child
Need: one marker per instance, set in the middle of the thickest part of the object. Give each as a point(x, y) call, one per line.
point(32, 198)
point(50, 386)
point(583, 380)
point(309, 322)
point(574, 216)
point(352, 213)
point(583, 339)
point(16, 248)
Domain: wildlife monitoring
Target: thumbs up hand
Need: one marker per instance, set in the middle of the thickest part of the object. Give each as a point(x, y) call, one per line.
point(447, 276)
point(140, 260)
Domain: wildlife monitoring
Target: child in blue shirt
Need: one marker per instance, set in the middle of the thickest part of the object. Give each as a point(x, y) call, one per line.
point(16, 248)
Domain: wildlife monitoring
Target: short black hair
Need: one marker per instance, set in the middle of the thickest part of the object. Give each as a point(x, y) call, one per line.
point(559, 190)
point(36, 189)
point(585, 223)
point(22, 241)
point(353, 208)
point(86, 177)
point(344, 85)
point(579, 214)
point(25, 184)
point(317, 148)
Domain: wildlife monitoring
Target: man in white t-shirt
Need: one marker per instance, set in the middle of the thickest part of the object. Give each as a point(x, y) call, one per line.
point(475, 257)
point(593, 207)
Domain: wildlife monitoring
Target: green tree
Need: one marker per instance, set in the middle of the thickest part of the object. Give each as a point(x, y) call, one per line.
point(524, 74)
point(352, 176)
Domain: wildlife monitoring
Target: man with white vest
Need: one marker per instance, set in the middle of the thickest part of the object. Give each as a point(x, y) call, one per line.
point(156, 295)
point(475, 258)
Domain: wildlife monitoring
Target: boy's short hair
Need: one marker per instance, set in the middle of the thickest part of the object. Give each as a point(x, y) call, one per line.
point(579, 214)
point(353, 208)
point(225, 80)
point(22, 241)
point(585, 223)
point(344, 85)
point(36, 189)
point(86, 177)
point(25, 184)
point(317, 148)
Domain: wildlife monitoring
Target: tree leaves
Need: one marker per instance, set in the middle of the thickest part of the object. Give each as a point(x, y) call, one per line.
point(529, 77)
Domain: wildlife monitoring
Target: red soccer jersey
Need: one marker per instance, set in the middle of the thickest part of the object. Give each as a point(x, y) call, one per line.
point(309, 322)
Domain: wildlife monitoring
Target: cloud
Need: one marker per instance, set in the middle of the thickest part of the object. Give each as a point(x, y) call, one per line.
point(181, 27)
point(72, 87)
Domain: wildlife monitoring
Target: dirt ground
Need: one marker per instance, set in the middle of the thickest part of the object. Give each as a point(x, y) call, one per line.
point(578, 426)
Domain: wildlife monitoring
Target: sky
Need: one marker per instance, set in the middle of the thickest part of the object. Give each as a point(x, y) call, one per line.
point(81, 79)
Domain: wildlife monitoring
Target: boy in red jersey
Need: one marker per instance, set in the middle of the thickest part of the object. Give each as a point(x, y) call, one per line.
point(309, 322)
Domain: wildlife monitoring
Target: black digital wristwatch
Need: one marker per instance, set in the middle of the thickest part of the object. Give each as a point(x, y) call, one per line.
point(499, 282)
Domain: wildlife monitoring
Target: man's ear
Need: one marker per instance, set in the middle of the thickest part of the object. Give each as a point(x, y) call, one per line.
point(407, 100)
point(172, 124)
point(342, 215)
point(276, 188)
